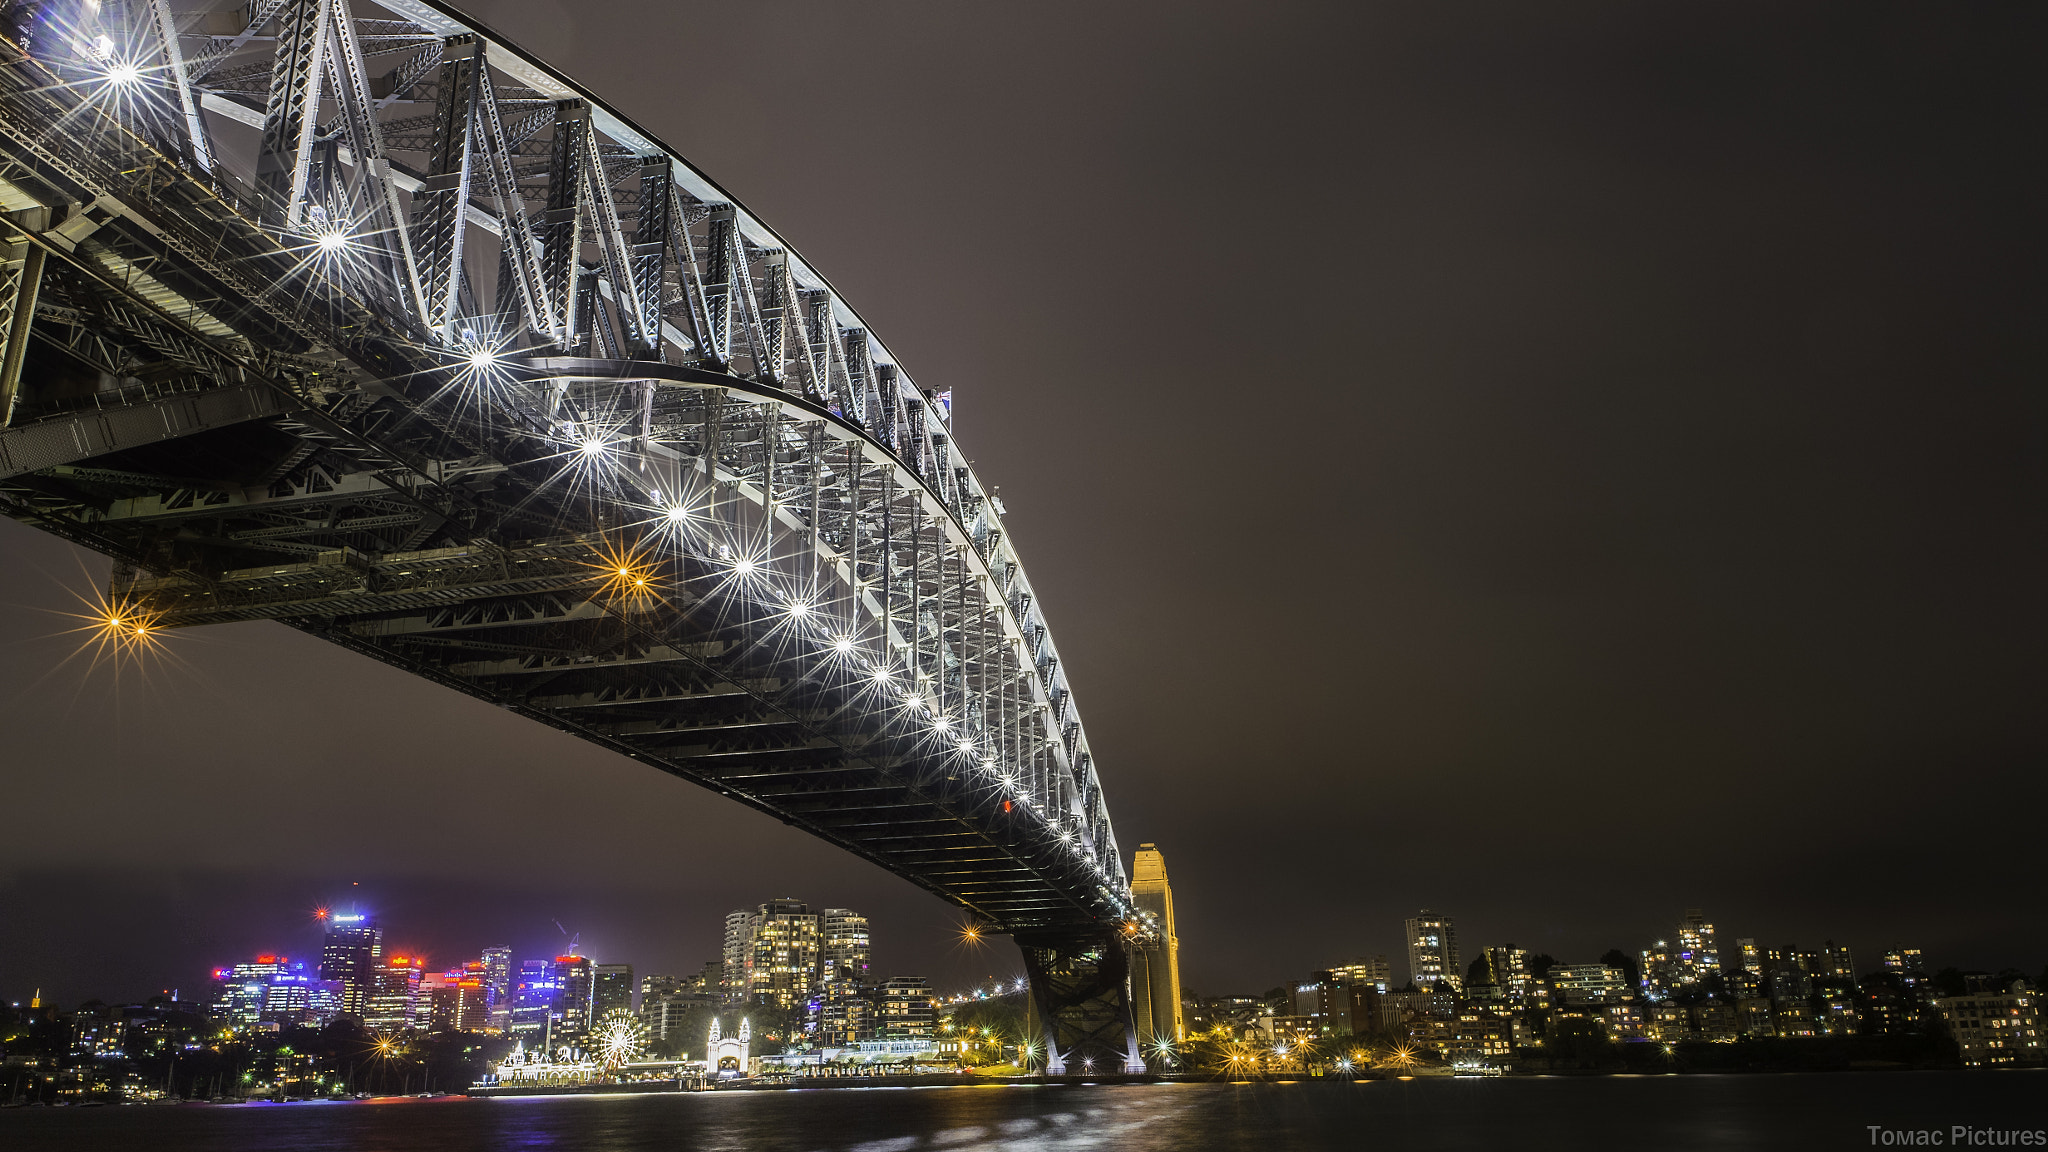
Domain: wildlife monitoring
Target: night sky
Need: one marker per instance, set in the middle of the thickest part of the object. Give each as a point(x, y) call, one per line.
point(1553, 464)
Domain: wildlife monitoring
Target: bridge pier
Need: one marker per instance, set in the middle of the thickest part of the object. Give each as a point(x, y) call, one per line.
point(1080, 1010)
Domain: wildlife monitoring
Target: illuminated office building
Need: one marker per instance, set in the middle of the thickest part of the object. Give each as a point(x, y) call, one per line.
point(782, 957)
point(842, 947)
point(576, 981)
point(1367, 971)
point(904, 1005)
point(351, 953)
point(393, 1000)
point(497, 978)
point(1591, 984)
point(611, 987)
point(535, 997)
point(1698, 956)
point(1432, 950)
point(243, 989)
point(845, 1016)
point(455, 1001)
point(300, 999)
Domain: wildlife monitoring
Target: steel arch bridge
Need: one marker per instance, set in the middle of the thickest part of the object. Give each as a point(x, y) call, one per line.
point(359, 318)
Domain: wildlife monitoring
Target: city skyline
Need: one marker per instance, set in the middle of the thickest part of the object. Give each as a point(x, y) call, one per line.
point(1730, 527)
point(936, 937)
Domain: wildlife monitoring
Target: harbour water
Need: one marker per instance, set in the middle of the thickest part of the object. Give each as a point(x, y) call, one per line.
point(1653, 1112)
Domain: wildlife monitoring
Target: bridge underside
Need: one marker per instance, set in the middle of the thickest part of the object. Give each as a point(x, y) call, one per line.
point(684, 664)
point(665, 495)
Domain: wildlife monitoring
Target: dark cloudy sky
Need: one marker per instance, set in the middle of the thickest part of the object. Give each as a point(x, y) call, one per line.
point(1557, 464)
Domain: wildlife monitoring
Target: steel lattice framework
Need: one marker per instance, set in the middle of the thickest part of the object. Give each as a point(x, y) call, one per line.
point(359, 318)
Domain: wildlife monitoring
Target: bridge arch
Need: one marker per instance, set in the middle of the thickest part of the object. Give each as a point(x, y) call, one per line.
point(358, 317)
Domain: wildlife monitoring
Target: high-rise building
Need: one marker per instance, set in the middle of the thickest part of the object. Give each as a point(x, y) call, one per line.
point(535, 996)
point(842, 947)
point(1698, 956)
point(1591, 984)
point(575, 1005)
point(612, 987)
point(1507, 971)
point(497, 979)
point(1155, 965)
point(1907, 963)
point(1331, 1005)
point(1432, 950)
point(845, 1015)
point(782, 958)
point(904, 1004)
point(351, 953)
point(1838, 967)
point(243, 990)
point(664, 1012)
point(739, 940)
point(455, 1001)
point(299, 999)
point(655, 985)
point(784, 954)
point(1992, 1027)
point(1366, 971)
point(393, 1001)
point(1752, 956)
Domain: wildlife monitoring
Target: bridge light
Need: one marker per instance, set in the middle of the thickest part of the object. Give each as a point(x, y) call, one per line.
point(965, 745)
point(593, 446)
point(123, 73)
point(480, 359)
point(843, 645)
point(882, 676)
point(799, 609)
point(744, 566)
point(333, 240)
point(675, 515)
point(942, 723)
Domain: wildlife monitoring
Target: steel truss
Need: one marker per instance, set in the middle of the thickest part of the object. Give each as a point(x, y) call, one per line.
point(665, 492)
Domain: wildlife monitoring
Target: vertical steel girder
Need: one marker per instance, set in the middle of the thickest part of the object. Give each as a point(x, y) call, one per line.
point(562, 225)
point(21, 281)
point(290, 114)
point(617, 257)
point(382, 229)
point(718, 285)
point(651, 240)
point(175, 74)
point(1081, 1002)
point(519, 248)
point(444, 196)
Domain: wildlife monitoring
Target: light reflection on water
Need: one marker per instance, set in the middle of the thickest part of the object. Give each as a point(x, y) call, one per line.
point(1529, 1115)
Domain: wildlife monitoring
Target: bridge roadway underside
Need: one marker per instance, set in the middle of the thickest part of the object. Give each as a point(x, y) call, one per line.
point(185, 390)
point(682, 682)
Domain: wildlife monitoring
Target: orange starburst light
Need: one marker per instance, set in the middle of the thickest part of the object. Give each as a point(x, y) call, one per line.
point(626, 573)
point(117, 630)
